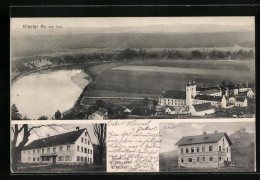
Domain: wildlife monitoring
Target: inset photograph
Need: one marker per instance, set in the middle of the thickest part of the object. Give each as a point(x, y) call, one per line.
point(207, 147)
point(132, 68)
point(58, 148)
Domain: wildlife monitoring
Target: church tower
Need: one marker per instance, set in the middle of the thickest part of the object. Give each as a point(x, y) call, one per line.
point(193, 89)
point(189, 93)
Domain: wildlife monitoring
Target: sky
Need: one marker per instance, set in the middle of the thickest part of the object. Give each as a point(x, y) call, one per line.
point(42, 132)
point(173, 132)
point(132, 21)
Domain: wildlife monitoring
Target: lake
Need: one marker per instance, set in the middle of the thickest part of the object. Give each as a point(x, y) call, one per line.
point(44, 92)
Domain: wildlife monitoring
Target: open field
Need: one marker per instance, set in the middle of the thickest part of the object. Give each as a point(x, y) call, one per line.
point(154, 81)
point(183, 70)
point(235, 65)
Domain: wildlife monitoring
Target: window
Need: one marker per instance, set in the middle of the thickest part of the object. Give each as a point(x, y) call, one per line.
point(54, 149)
point(219, 158)
point(203, 159)
point(203, 148)
point(85, 150)
point(61, 158)
point(38, 151)
point(190, 159)
point(88, 150)
point(86, 133)
point(81, 149)
point(33, 151)
point(210, 158)
point(88, 159)
point(182, 160)
point(181, 150)
point(77, 148)
point(223, 139)
point(88, 142)
point(85, 141)
point(68, 148)
point(187, 150)
point(85, 159)
point(210, 148)
point(192, 150)
point(60, 148)
point(81, 158)
point(33, 159)
point(198, 159)
point(38, 159)
point(67, 158)
point(42, 150)
point(227, 149)
point(219, 148)
point(82, 139)
point(48, 150)
point(77, 158)
point(198, 149)
point(91, 160)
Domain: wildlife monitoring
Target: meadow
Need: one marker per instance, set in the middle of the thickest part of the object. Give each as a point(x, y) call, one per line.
point(131, 81)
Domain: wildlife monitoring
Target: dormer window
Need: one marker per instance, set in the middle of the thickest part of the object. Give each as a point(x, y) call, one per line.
point(206, 137)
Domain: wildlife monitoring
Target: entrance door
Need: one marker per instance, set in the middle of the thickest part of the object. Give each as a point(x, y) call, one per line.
point(54, 160)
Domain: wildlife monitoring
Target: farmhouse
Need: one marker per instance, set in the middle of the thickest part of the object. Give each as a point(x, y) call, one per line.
point(170, 110)
point(100, 114)
point(204, 151)
point(238, 101)
point(68, 148)
point(249, 93)
point(201, 109)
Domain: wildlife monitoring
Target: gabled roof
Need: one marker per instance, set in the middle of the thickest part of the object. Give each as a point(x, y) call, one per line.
point(101, 112)
point(208, 98)
point(240, 99)
point(202, 107)
point(210, 91)
point(200, 139)
point(174, 94)
point(207, 88)
point(65, 138)
point(171, 108)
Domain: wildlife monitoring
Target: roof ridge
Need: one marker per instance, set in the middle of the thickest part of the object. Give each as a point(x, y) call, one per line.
point(61, 134)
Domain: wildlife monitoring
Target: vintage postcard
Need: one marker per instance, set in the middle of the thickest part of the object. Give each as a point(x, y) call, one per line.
point(132, 94)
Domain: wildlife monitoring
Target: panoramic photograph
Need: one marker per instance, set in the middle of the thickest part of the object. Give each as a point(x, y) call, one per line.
point(207, 147)
point(132, 68)
point(58, 148)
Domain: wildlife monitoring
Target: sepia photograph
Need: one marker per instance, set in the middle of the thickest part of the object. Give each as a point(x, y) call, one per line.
point(58, 148)
point(207, 147)
point(132, 68)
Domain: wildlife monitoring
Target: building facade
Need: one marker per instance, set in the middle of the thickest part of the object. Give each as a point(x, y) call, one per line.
point(69, 148)
point(204, 151)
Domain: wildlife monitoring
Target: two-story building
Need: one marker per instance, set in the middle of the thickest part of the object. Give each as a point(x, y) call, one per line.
point(204, 151)
point(68, 148)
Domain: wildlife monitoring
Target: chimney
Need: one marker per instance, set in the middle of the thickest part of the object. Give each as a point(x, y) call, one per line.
point(216, 131)
point(77, 128)
point(204, 133)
